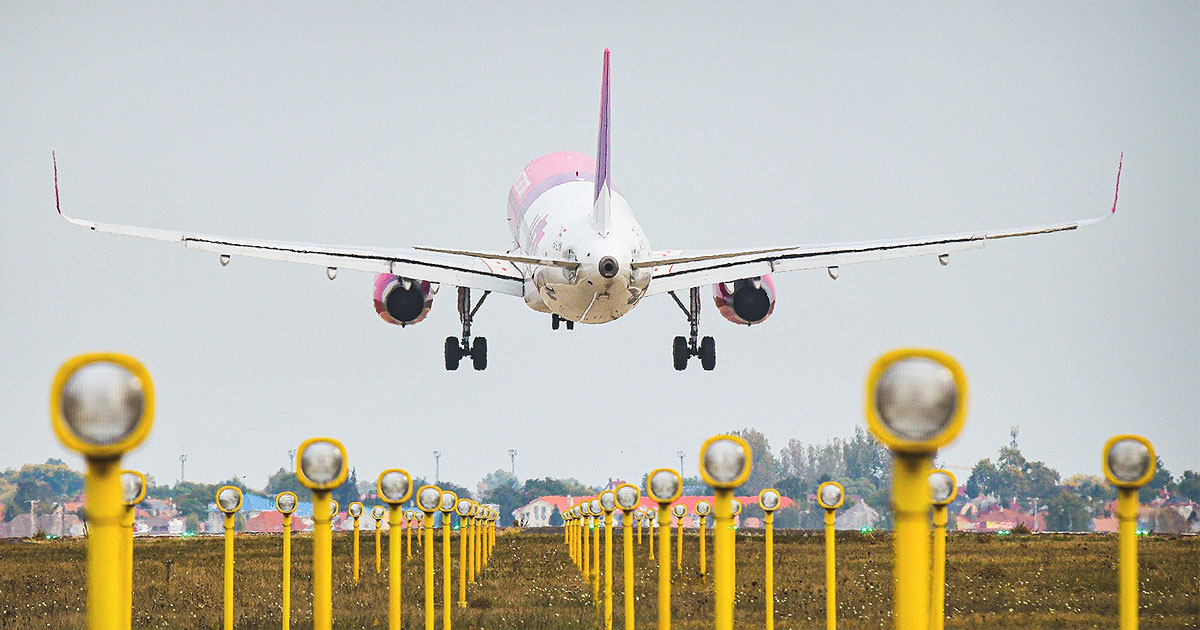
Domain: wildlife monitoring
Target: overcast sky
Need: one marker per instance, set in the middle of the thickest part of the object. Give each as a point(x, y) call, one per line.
point(754, 125)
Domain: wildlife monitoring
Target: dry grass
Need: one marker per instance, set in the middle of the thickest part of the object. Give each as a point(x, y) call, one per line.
point(1017, 582)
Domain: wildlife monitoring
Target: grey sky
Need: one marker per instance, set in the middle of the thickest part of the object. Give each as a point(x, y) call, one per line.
point(748, 126)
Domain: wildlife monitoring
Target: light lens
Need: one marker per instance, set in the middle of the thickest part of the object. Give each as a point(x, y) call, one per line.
point(333, 508)
point(131, 487)
point(102, 403)
point(702, 508)
point(679, 510)
point(394, 485)
point(377, 512)
point(228, 499)
point(286, 502)
point(430, 499)
point(1129, 460)
point(594, 507)
point(356, 510)
point(627, 497)
point(916, 398)
point(941, 486)
point(608, 500)
point(447, 501)
point(664, 485)
point(769, 500)
point(724, 461)
point(735, 506)
point(322, 462)
point(464, 507)
point(830, 495)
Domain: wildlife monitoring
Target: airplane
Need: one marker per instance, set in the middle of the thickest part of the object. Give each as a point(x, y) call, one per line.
point(580, 256)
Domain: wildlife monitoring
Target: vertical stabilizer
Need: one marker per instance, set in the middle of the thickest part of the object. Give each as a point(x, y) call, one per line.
point(602, 208)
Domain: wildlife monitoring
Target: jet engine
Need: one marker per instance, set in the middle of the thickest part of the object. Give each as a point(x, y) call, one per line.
point(401, 300)
point(748, 301)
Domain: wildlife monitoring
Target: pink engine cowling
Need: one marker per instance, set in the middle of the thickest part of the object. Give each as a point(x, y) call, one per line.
point(402, 301)
point(748, 301)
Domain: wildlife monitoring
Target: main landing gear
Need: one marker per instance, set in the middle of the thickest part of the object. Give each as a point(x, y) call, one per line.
point(685, 348)
point(457, 349)
point(555, 320)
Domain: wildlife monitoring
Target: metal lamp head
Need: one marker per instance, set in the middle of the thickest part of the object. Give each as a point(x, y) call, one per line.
point(943, 487)
point(1129, 461)
point(627, 497)
point(321, 463)
point(639, 515)
point(463, 507)
point(355, 509)
point(102, 404)
point(229, 499)
point(286, 502)
point(916, 400)
point(475, 509)
point(830, 495)
point(679, 510)
point(594, 507)
point(133, 487)
point(664, 485)
point(768, 500)
point(725, 461)
point(653, 516)
point(377, 512)
point(334, 508)
point(735, 506)
point(703, 508)
point(429, 498)
point(608, 501)
point(394, 486)
point(449, 500)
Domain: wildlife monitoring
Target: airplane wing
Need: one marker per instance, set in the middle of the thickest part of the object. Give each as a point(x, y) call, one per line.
point(488, 271)
point(675, 270)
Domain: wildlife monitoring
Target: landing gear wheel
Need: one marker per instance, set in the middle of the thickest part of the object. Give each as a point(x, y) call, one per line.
point(680, 353)
point(554, 319)
point(570, 325)
point(479, 354)
point(708, 353)
point(453, 353)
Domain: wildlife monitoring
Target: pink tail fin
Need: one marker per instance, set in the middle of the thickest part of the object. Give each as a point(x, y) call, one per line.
point(602, 141)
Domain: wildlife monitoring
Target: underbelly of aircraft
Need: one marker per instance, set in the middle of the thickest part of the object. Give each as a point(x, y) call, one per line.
point(588, 302)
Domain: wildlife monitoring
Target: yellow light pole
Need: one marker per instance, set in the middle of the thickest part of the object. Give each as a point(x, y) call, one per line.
point(285, 504)
point(569, 528)
point(321, 466)
point(394, 487)
point(680, 511)
point(735, 511)
point(725, 463)
point(463, 509)
point(408, 527)
point(664, 486)
point(377, 513)
point(608, 503)
point(916, 402)
point(597, 513)
point(830, 496)
point(495, 522)
point(449, 501)
point(638, 515)
point(229, 501)
point(627, 497)
point(943, 487)
point(470, 527)
point(102, 406)
point(768, 500)
point(489, 518)
point(586, 510)
point(429, 499)
point(1129, 463)
point(133, 490)
point(356, 511)
point(652, 517)
point(702, 510)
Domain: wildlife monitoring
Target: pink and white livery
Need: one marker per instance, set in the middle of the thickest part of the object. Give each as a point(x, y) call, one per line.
point(579, 255)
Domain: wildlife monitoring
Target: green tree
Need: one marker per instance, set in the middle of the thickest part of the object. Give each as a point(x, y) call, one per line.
point(347, 493)
point(1161, 481)
point(764, 470)
point(548, 486)
point(1066, 512)
point(284, 481)
point(1189, 485)
point(502, 488)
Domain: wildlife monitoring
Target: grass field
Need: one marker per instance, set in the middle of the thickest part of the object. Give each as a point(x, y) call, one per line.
point(1042, 581)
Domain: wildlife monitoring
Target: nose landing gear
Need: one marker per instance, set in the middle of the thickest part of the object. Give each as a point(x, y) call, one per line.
point(683, 349)
point(555, 320)
point(456, 348)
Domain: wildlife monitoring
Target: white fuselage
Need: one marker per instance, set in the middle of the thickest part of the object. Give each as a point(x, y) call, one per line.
point(557, 225)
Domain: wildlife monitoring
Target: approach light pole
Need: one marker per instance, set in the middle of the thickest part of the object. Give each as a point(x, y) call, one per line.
point(943, 487)
point(285, 504)
point(463, 509)
point(725, 463)
point(627, 496)
point(680, 511)
point(394, 487)
point(830, 496)
point(377, 513)
point(356, 511)
point(703, 509)
point(429, 499)
point(916, 403)
point(608, 503)
point(768, 500)
point(1129, 464)
point(229, 501)
point(133, 490)
point(446, 507)
point(102, 406)
point(664, 486)
point(321, 466)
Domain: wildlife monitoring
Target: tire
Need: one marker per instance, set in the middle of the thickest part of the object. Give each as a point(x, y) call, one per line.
point(680, 353)
point(708, 353)
point(554, 321)
point(570, 325)
point(453, 353)
point(479, 354)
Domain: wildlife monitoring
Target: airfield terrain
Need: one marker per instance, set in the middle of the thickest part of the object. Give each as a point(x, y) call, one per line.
point(1039, 581)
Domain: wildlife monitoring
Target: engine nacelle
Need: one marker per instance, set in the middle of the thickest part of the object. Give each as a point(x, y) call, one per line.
point(748, 301)
point(402, 301)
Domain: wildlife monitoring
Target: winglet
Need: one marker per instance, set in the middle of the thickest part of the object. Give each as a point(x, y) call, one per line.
point(1117, 191)
point(602, 208)
point(54, 160)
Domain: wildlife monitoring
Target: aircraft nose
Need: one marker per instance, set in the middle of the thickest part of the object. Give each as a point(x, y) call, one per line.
point(609, 267)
